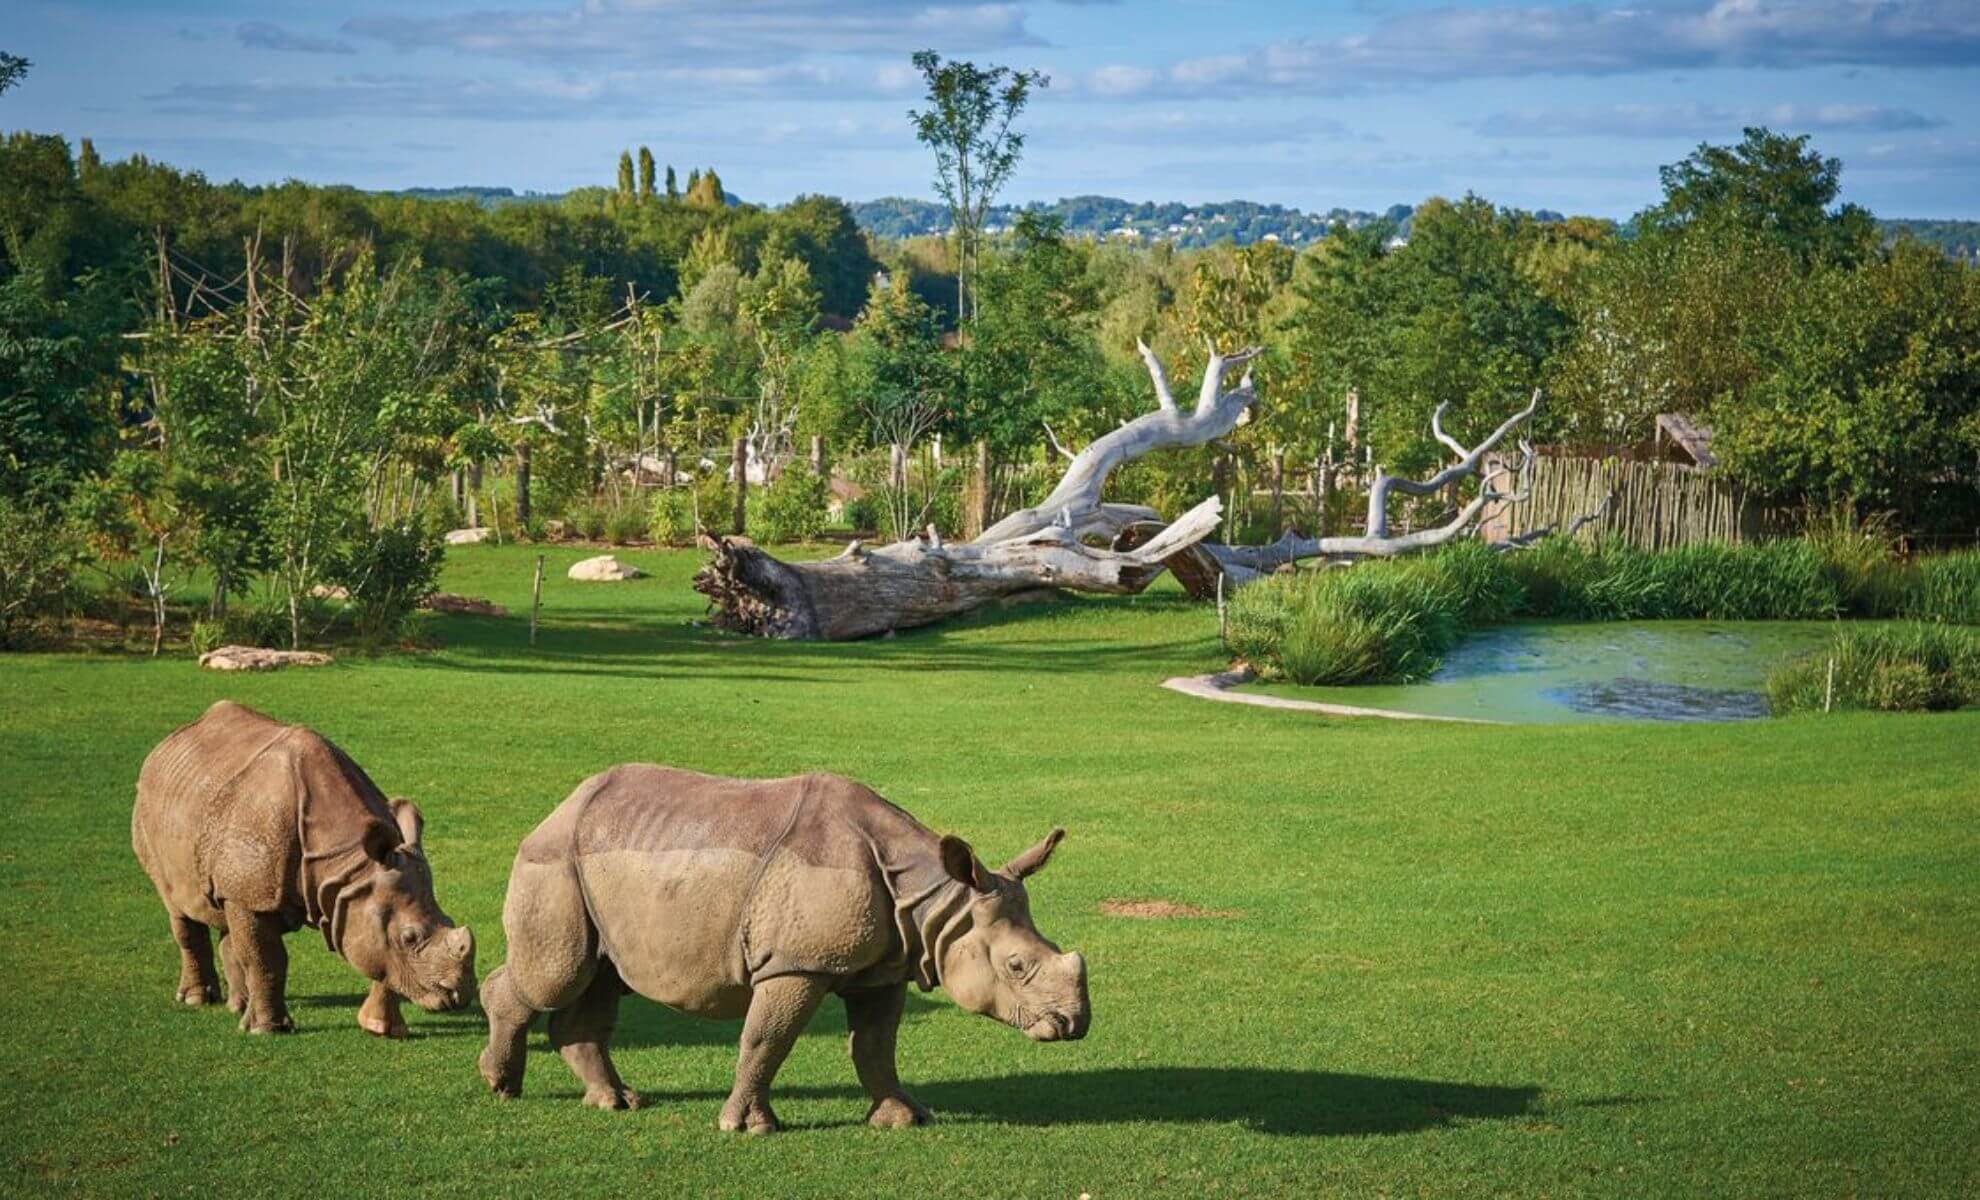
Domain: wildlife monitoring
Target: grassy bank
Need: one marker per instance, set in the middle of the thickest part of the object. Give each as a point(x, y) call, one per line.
point(1528, 961)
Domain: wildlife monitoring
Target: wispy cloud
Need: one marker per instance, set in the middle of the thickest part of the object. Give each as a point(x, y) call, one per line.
point(1701, 120)
point(401, 97)
point(705, 31)
point(1444, 44)
point(261, 35)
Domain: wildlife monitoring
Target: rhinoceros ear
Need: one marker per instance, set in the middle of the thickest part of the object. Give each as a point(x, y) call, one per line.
point(406, 813)
point(1034, 859)
point(962, 865)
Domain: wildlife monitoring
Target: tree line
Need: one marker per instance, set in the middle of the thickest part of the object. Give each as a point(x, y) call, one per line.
point(276, 383)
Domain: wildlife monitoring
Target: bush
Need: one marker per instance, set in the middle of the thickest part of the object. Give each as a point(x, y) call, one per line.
point(1912, 667)
point(865, 514)
point(626, 524)
point(1946, 587)
point(794, 506)
point(670, 518)
point(588, 520)
point(1860, 558)
point(39, 557)
point(388, 572)
point(263, 625)
point(208, 636)
point(1381, 621)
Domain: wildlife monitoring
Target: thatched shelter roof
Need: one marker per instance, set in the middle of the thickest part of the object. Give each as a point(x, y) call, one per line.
point(1695, 440)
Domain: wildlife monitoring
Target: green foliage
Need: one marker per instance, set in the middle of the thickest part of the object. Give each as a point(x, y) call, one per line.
point(1912, 667)
point(388, 572)
point(587, 520)
point(670, 517)
point(625, 524)
point(56, 351)
point(1947, 588)
point(40, 555)
point(793, 507)
point(1393, 620)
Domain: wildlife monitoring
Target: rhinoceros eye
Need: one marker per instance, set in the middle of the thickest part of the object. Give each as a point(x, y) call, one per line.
point(1015, 966)
point(409, 937)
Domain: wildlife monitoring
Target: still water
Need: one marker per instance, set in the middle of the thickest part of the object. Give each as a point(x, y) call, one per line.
point(1620, 671)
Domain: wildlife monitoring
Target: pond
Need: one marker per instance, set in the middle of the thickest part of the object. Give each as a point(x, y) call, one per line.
point(1597, 671)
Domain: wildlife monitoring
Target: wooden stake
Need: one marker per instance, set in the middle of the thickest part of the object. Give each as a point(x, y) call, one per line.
point(1829, 689)
point(741, 456)
point(535, 599)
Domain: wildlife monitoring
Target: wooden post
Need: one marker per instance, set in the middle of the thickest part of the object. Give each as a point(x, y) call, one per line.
point(1323, 487)
point(1829, 688)
point(535, 599)
point(897, 467)
point(522, 489)
point(474, 495)
point(741, 456)
point(818, 455)
point(1278, 491)
point(983, 517)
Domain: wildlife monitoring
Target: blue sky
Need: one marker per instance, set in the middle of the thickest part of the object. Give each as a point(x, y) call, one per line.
point(1361, 104)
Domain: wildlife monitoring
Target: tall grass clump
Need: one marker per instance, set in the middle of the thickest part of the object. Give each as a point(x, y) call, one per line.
point(1917, 666)
point(1945, 587)
point(1860, 557)
point(1385, 621)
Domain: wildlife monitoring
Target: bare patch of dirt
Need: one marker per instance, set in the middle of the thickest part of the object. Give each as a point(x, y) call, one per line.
point(1161, 910)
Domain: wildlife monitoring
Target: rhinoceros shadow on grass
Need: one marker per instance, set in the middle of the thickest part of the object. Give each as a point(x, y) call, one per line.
point(1287, 1102)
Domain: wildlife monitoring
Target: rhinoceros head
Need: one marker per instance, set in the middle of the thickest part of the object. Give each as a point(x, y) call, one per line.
point(1003, 967)
point(393, 930)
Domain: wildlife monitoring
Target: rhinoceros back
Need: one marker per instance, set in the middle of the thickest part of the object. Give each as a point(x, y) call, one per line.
point(226, 805)
point(699, 887)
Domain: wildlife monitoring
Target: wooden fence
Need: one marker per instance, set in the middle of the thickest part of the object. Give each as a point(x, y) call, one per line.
point(1656, 505)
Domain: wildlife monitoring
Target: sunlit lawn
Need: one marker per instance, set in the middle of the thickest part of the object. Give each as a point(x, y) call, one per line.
point(1629, 960)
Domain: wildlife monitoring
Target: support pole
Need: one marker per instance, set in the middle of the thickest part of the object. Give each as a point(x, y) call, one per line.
point(741, 456)
point(535, 599)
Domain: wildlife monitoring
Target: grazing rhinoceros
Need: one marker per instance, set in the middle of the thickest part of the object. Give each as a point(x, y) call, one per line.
point(257, 828)
point(757, 899)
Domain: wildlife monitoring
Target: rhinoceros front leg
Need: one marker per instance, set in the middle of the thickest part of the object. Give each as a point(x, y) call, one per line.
point(255, 942)
point(779, 1010)
point(198, 983)
point(379, 1014)
point(875, 1018)
point(509, 1016)
point(582, 1034)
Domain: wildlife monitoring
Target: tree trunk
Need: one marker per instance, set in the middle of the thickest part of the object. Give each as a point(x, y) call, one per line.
point(865, 592)
point(522, 488)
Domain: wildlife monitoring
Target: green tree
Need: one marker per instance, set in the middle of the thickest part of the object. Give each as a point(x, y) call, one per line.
point(625, 175)
point(1772, 184)
point(968, 127)
point(673, 186)
point(1033, 358)
point(705, 191)
point(13, 68)
point(645, 175)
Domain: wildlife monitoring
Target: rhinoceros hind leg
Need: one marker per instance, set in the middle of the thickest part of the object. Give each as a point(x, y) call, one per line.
point(256, 943)
point(509, 1017)
point(582, 1033)
point(198, 984)
point(779, 1009)
point(379, 1014)
point(874, 1017)
point(237, 995)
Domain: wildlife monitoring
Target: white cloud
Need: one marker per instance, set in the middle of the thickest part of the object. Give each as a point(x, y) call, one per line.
point(1439, 45)
point(1701, 120)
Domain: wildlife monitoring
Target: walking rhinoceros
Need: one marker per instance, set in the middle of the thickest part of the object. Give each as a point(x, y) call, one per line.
point(757, 899)
point(256, 828)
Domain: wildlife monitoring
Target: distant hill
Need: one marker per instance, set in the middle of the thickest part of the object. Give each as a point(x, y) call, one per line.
point(1185, 225)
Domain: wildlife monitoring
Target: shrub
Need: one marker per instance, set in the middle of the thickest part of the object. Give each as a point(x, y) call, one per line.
point(260, 625)
point(39, 557)
point(1946, 587)
point(670, 517)
point(1910, 667)
point(792, 508)
point(1772, 581)
point(388, 572)
point(588, 520)
point(626, 524)
point(208, 635)
point(865, 514)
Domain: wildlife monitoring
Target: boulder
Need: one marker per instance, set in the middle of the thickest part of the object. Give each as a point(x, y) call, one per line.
point(469, 537)
point(606, 568)
point(331, 591)
point(256, 658)
point(473, 606)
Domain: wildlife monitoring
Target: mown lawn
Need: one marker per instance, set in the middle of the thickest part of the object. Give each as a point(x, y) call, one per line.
point(1688, 960)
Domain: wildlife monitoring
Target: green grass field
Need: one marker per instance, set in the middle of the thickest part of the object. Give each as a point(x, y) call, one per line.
point(1553, 960)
